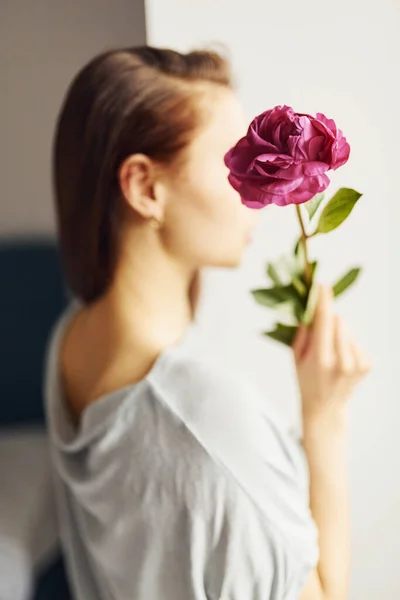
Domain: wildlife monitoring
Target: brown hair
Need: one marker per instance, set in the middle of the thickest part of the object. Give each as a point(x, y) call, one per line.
point(124, 101)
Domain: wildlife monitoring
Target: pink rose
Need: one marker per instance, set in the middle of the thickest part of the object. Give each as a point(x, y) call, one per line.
point(284, 157)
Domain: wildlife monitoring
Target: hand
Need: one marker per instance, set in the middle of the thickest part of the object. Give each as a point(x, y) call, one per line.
point(329, 362)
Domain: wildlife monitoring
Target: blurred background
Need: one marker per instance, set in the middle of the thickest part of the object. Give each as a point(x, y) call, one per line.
point(340, 58)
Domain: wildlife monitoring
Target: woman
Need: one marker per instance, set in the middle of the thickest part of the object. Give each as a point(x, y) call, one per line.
point(174, 479)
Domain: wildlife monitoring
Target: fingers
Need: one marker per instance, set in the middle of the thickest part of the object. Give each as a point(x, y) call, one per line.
point(344, 354)
point(329, 342)
point(351, 359)
point(363, 364)
point(300, 342)
point(323, 327)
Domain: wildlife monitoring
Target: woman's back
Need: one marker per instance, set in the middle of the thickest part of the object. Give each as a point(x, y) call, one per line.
point(98, 356)
point(181, 485)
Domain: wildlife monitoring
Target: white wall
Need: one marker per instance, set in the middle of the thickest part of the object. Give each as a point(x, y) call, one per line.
point(340, 58)
point(42, 45)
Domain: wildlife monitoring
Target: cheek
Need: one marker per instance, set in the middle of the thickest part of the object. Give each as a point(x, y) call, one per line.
point(216, 200)
point(205, 217)
point(217, 214)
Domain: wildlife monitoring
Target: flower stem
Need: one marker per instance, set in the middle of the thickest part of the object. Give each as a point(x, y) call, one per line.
point(304, 238)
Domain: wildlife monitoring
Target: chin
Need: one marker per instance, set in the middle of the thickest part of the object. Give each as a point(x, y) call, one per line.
point(228, 259)
point(233, 261)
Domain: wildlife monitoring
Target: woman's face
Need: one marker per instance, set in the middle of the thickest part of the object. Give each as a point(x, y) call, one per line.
point(205, 222)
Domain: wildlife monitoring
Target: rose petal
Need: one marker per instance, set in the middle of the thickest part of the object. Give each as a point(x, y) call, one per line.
point(342, 154)
point(308, 189)
point(255, 139)
point(268, 161)
point(316, 184)
point(293, 171)
point(316, 147)
point(235, 182)
point(240, 157)
point(330, 123)
point(264, 169)
point(253, 196)
point(313, 168)
point(324, 129)
point(301, 196)
point(292, 143)
point(308, 129)
point(281, 186)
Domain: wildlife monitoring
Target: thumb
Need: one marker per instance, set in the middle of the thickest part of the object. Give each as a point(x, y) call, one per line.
point(300, 341)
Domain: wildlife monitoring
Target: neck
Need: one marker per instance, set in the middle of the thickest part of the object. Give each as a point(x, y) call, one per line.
point(152, 295)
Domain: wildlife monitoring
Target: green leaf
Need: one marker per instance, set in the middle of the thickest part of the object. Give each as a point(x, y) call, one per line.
point(337, 210)
point(273, 274)
point(271, 297)
point(346, 281)
point(284, 300)
point(299, 286)
point(289, 266)
point(297, 247)
point(313, 205)
point(282, 333)
point(313, 268)
point(282, 271)
point(289, 311)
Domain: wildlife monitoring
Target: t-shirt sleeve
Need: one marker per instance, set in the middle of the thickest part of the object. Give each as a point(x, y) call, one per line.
point(248, 558)
point(209, 542)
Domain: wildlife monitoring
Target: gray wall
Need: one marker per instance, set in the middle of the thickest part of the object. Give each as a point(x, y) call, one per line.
point(42, 45)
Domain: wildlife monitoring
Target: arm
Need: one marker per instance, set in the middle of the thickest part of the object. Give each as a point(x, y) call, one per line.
point(325, 447)
point(329, 364)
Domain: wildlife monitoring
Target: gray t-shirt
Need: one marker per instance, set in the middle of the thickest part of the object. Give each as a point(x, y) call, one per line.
point(183, 486)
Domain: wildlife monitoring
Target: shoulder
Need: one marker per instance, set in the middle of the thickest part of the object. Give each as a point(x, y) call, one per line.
point(220, 404)
point(217, 407)
point(184, 420)
point(209, 409)
point(200, 386)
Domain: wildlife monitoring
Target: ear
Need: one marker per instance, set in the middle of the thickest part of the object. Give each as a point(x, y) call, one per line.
point(137, 179)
